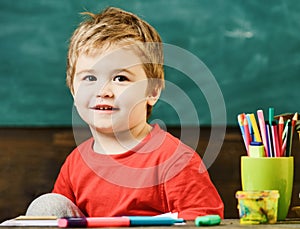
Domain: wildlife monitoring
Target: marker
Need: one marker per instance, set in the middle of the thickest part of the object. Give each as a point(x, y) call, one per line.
point(153, 221)
point(124, 221)
point(256, 149)
point(94, 222)
point(208, 220)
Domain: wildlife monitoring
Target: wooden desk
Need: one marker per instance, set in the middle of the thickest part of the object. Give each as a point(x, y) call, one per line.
point(226, 223)
point(235, 223)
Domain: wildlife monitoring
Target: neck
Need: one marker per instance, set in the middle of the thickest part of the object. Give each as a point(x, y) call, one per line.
point(119, 142)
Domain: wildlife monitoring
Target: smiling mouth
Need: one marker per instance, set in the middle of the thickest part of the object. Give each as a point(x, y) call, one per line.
point(104, 108)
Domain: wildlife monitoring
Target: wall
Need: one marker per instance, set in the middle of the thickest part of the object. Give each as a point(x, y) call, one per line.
point(237, 56)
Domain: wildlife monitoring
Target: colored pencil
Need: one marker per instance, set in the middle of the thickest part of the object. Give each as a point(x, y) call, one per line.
point(288, 139)
point(280, 132)
point(247, 134)
point(262, 126)
point(277, 151)
point(294, 120)
point(240, 118)
point(250, 127)
point(270, 141)
point(255, 128)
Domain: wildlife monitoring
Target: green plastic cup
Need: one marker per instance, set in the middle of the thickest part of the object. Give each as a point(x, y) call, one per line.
point(258, 174)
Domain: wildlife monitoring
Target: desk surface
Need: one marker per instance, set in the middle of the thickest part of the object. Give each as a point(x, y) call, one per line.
point(228, 223)
point(235, 223)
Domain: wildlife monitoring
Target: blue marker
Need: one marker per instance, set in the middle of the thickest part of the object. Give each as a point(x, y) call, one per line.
point(153, 221)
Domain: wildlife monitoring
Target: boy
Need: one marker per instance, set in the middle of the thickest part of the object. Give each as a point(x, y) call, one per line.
point(128, 167)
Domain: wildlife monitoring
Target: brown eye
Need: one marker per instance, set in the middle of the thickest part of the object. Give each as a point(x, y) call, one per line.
point(120, 78)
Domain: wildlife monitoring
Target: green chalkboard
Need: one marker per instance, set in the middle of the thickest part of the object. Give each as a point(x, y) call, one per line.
point(250, 52)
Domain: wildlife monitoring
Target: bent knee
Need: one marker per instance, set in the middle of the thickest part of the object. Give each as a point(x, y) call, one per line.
point(53, 204)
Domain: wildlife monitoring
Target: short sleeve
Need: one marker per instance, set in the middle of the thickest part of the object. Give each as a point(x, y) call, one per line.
point(191, 193)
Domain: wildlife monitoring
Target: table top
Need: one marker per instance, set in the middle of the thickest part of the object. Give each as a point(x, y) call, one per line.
point(228, 223)
point(235, 223)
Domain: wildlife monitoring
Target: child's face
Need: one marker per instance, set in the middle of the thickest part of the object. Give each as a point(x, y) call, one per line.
point(110, 90)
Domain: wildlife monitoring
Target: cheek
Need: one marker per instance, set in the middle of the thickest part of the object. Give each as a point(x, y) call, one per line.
point(82, 97)
point(133, 95)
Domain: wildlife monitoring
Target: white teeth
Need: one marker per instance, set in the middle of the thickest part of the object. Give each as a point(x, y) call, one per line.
point(105, 108)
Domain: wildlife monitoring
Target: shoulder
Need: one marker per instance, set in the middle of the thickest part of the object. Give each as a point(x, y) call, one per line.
point(169, 141)
point(170, 150)
point(81, 149)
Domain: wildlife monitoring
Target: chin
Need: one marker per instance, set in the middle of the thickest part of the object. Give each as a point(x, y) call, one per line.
point(106, 129)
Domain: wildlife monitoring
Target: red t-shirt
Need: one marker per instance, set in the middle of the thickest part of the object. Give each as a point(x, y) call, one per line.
point(159, 175)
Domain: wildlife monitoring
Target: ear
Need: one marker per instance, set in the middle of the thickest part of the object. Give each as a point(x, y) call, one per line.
point(153, 97)
point(73, 96)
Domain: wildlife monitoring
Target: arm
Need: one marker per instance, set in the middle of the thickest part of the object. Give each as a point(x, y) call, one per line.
point(62, 184)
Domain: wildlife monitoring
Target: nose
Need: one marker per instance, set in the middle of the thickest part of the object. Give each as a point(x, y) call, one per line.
point(105, 91)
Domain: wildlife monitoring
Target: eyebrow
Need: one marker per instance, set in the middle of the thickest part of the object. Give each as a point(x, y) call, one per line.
point(114, 72)
point(86, 71)
point(123, 70)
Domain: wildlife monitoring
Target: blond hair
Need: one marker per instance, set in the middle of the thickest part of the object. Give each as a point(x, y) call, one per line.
point(113, 26)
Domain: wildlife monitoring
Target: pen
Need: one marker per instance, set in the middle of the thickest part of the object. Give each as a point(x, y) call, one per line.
point(124, 221)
